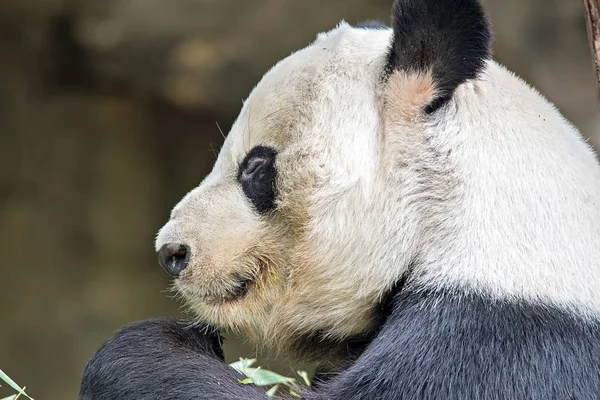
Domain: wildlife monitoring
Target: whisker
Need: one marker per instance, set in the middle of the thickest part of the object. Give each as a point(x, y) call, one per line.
point(273, 113)
point(247, 131)
point(213, 150)
point(220, 130)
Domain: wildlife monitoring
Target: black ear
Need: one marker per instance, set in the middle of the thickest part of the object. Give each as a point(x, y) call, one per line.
point(449, 38)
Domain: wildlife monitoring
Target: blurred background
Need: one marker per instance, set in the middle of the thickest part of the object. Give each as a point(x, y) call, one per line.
point(108, 113)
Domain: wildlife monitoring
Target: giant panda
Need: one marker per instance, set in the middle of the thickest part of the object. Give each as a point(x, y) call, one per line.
point(391, 202)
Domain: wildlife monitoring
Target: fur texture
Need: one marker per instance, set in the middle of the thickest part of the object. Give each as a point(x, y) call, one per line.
point(473, 195)
point(455, 345)
point(450, 38)
point(371, 24)
point(173, 349)
point(486, 211)
point(257, 175)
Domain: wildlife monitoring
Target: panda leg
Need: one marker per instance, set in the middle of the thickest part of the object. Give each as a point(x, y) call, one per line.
point(163, 359)
point(167, 359)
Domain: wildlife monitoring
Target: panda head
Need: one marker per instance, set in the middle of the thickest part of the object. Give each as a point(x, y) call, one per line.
point(352, 166)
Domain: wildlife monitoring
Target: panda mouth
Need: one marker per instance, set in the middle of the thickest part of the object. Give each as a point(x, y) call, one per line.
point(242, 284)
point(227, 290)
point(238, 290)
point(241, 288)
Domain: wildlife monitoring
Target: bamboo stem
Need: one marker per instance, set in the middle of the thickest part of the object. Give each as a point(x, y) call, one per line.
point(592, 17)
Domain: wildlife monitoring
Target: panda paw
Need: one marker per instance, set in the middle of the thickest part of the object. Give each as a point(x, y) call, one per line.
point(160, 358)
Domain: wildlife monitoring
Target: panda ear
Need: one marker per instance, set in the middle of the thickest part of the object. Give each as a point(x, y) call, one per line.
point(445, 42)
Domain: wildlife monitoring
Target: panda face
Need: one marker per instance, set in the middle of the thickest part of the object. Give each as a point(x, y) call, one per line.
point(279, 228)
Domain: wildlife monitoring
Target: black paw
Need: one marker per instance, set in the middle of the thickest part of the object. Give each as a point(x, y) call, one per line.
point(160, 358)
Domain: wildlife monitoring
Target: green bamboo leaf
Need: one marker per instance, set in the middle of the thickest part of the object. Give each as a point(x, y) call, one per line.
point(9, 397)
point(10, 382)
point(242, 364)
point(246, 381)
point(263, 377)
point(273, 391)
point(304, 376)
point(13, 384)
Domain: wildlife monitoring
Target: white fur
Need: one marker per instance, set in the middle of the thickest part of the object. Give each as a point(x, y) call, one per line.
point(496, 192)
point(527, 222)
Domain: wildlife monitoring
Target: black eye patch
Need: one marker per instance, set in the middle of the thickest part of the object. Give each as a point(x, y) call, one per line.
point(257, 175)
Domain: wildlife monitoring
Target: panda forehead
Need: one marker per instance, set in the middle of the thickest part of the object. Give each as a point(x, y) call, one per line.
point(288, 94)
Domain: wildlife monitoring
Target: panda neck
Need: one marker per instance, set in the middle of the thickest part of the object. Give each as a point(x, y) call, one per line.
point(524, 218)
point(332, 354)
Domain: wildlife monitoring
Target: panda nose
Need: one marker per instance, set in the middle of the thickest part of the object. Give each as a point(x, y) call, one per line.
point(174, 257)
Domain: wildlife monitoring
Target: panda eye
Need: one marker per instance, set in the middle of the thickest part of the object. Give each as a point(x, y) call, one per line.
point(257, 175)
point(255, 165)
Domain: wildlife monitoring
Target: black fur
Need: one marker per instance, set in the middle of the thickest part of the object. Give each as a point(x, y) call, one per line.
point(453, 345)
point(316, 347)
point(257, 174)
point(434, 345)
point(162, 359)
point(371, 25)
point(449, 37)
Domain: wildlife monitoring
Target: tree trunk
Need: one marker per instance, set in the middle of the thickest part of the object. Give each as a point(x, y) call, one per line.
point(592, 14)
